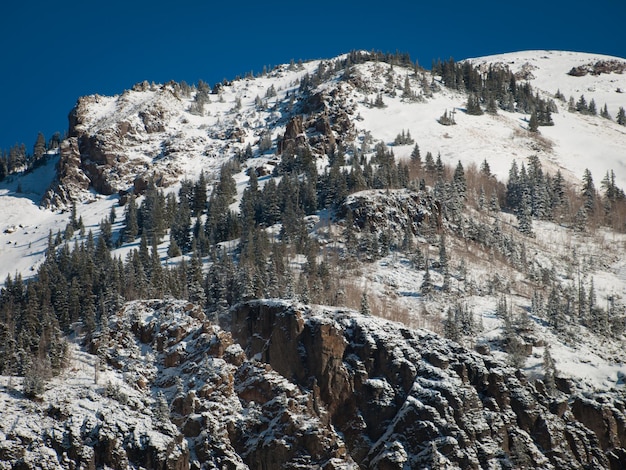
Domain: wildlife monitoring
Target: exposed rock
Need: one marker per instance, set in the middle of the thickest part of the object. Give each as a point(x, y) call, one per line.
point(71, 181)
point(392, 212)
point(300, 387)
point(598, 68)
point(294, 136)
point(383, 388)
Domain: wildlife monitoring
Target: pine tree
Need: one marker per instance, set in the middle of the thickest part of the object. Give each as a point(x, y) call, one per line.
point(549, 371)
point(429, 164)
point(580, 219)
point(492, 106)
point(131, 227)
point(621, 116)
point(581, 105)
point(482, 199)
point(554, 311)
point(407, 93)
point(443, 263)
point(588, 192)
point(533, 123)
point(494, 204)
point(427, 284)
point(451, 325)
point(416, 157)
point(473, 105)
point(605, 113)
point(199, 195)
point(524, 217)
point(439, 168)
point(35, 376)
point(378, 102)
point(180, 230)
point(459, 181)
point(365, 306)
point(39, 148)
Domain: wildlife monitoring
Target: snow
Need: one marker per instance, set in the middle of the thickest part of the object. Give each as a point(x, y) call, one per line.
point(197, 143)
point(579, 141)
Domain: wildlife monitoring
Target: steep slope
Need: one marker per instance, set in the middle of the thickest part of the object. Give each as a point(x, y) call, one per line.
point(579, 142)
point(295, 386)
point(300, 387)
point(161, 132)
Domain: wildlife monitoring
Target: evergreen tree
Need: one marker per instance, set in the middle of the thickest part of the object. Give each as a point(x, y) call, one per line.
point(35, 377)
point(605, 113)
point(459, 181)
point(180, 231)
point(473, 105)
point(416, 157)
point(365, 306)
point(588, 192)
point(621, 116)
point(533, 123)
point(427, 284)
point(549, 371)
point(39, 149)
point(199, 195)
point(131, 227)
point(443, 263)
point(580, 219)
point(492, 106)
point(429, 164)
point(571, 105)
point(151, 214)
point(481, 201)
point(378, 102)
point(451, 324)
point(174, 250)
point(524, 215)
point(447, 119)
point(581, 105)
point(494, 204)
point(554, 311)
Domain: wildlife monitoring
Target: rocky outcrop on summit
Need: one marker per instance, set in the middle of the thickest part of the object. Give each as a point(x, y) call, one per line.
point(115, 140)
point(598, 67)
point(325, 122)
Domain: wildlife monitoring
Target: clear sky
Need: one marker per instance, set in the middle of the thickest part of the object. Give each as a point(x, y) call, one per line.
point(53, 52)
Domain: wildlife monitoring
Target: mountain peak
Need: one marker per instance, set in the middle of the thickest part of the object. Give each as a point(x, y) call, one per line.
point(263, 270)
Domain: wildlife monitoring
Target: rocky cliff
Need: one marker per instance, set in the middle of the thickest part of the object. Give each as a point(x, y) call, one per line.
point(291, 386)
point(408, 399)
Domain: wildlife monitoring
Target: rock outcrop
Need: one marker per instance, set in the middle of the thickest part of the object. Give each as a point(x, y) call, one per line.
point(292, 386)
point(71, 181)
point(403, 398)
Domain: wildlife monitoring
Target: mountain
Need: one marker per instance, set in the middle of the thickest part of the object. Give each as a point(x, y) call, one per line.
point(391, 268)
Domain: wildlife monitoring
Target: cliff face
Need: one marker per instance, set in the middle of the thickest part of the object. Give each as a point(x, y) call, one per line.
point(296, 387)
point(113, 141)
point(403, 398)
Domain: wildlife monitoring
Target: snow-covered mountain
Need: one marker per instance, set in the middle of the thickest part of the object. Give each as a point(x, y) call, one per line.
point(236, 394)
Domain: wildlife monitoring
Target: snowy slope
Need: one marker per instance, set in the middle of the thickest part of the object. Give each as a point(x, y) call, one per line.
point(579, 141)
point(575, 142)
point(182, 144)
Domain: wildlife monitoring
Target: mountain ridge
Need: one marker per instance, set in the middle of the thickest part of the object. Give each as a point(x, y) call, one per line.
point(335, 182)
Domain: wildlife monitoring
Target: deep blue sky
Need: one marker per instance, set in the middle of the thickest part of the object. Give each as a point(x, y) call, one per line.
point(52, 52)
